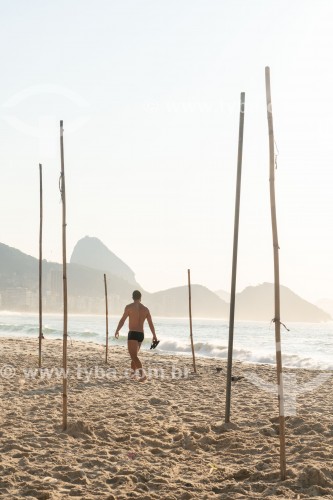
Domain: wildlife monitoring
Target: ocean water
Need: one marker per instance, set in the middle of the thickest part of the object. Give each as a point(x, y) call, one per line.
point(306, 345)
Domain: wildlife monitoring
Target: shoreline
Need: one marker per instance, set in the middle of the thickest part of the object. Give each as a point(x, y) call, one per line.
point(165, 438)
point(183, 354)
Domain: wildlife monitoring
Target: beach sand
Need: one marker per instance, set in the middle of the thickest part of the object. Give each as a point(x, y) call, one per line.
point(163, 439)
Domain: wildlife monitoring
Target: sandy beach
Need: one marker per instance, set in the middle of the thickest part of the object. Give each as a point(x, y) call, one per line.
point(165, 438)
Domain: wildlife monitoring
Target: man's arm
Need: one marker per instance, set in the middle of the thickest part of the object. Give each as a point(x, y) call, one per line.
point(151, 325)
point(121, 322)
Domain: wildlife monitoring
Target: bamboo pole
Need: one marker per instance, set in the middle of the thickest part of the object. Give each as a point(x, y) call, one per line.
point(64, 260)
point(40, 265)
point(106, 320)
point(190, 316)
point(234, 257)
point(277, 321)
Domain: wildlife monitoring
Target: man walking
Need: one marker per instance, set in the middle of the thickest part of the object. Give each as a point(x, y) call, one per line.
point(137, 314)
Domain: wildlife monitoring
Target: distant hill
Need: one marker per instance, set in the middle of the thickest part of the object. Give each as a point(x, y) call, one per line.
point(19, 285)
point(174, 302)
point(223, 295)
point(257, 303)
point(16, 268)
point(326, 305)
point(19, 289)
point(91, 252)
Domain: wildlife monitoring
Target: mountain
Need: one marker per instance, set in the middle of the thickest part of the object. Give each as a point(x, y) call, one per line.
point(91, 252)
point(174, 302)
point(326, 305)
point(223, 295)
point(19, 285)
point(257, 303)
point(16, 267)
point(19, 289)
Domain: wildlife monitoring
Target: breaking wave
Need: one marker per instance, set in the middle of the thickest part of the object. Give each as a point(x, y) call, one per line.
point(310, 346)
point(210, 350)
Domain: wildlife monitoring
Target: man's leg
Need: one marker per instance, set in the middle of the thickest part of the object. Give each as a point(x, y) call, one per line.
point(141, 371)
point(133, 350)
point(132, 362)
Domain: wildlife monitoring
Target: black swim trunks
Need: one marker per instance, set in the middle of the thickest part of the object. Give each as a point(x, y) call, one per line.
point(132, 335)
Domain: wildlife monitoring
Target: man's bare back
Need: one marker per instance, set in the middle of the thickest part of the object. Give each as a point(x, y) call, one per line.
point(137, 314)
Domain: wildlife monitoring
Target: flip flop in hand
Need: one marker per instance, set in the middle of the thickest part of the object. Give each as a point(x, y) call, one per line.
point(154, 344)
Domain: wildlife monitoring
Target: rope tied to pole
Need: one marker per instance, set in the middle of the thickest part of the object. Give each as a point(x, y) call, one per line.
point(276, 320)
point(60, 184)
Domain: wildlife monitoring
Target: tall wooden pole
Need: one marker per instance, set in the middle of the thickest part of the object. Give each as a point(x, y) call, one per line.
point(64, 266)
point(106, 320)
point(190, 315)
point(40, 265)
point(276, 277)
point(234, 257)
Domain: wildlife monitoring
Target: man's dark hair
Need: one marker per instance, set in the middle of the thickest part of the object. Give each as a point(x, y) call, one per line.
point(136, 295)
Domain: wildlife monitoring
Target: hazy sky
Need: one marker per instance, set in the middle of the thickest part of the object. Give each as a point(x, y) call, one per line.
point(149, 94)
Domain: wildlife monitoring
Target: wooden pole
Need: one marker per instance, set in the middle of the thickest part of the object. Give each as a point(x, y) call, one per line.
point(276, 277)
point(64, 266)
point(234, 257)
point(106, 320)
point(190, 315)
point(40, 266)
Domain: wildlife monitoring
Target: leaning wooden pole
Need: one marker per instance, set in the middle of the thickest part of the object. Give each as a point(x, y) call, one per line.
point(234, 257)
point(190, 316)
point(106, 320)
point(40, 266)
point(277, 321)
point(64, 267)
